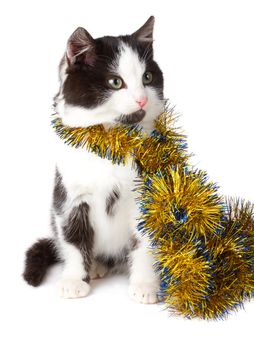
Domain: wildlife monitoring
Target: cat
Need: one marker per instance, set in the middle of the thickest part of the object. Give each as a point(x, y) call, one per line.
point(108, 80)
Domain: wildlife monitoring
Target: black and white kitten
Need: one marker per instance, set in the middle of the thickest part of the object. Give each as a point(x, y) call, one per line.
point(94, 214)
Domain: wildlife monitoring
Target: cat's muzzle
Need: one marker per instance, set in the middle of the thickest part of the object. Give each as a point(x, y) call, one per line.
point(132, 118)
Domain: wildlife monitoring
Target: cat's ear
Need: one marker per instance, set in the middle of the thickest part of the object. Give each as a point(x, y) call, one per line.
point(81, 44)
point(145, 33)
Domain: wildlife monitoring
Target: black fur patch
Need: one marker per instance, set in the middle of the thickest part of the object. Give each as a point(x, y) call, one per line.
point(59, 193)
point(113, 261)
point(39, 257)
point(111, 201)
point(120, 259)
point(108, 261)
point(86, 85)
point(134, 243)
point(86, 279)
point(78, 231)
point(132, 118)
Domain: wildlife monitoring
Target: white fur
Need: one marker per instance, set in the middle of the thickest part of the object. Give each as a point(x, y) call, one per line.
point(72, 288)
point(91, 179)
point(143, 281)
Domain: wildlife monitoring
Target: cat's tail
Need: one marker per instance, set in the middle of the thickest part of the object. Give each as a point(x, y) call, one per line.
point(39, 257)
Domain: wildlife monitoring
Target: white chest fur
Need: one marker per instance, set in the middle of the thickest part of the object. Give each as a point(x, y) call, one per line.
point(90, 179)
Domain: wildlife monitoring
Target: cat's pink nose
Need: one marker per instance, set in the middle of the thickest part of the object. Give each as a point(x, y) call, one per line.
point(142, 101)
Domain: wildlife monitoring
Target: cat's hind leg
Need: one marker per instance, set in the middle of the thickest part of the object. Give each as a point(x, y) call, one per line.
point(98, 270)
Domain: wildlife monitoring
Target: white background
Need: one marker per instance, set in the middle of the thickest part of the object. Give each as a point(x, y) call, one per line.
point(205, 49)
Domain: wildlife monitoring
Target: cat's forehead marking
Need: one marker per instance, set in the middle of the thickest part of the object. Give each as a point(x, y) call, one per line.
point(130, 66)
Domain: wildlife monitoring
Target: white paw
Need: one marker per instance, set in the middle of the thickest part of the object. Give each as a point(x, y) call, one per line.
point(71, 288)
point(98, 270)
point(143, 293)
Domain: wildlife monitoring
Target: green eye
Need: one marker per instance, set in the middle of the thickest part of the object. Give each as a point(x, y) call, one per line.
point(147, 78)
point(115, 83)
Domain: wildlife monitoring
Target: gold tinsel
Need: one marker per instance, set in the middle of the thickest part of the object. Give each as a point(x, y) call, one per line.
point(203, 244)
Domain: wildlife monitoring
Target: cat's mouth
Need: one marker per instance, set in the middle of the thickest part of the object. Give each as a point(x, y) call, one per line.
point(132, 118)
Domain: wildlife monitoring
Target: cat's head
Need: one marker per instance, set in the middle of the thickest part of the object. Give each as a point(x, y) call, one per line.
point(110, 79)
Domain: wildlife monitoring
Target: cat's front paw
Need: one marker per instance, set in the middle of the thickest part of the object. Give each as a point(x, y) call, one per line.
point(71, 288)
point(143, 293)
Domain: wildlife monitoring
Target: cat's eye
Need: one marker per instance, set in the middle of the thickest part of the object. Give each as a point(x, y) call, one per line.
point(147, 78)
point(115, 83)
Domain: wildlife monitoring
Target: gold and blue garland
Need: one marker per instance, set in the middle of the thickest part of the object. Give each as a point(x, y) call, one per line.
point(203, 244)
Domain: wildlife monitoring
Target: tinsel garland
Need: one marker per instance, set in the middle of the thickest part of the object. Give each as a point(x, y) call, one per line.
point(203, 244)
